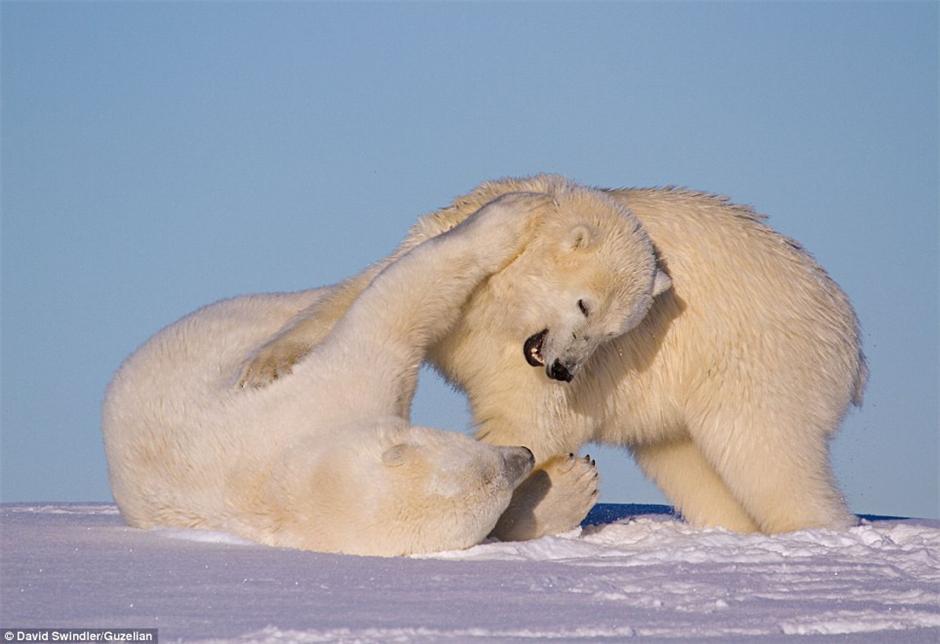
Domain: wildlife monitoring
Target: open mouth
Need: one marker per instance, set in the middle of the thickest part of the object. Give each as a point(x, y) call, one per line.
point(532, 349)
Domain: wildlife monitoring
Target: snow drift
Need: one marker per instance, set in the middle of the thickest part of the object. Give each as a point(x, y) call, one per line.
point(631, 571)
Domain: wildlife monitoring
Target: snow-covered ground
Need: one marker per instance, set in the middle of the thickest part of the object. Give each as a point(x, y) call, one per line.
point(636, 573)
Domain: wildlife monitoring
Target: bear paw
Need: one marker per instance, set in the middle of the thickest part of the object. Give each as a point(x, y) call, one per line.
point(505, 225)
point(555, 498)
point(270, 362)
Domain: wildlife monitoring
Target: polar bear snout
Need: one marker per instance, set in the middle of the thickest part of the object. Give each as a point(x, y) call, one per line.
point(558, 371)
point(518, 463)
point(532, 349)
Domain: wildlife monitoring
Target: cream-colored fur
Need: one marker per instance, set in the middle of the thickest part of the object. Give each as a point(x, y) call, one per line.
point(727, 388)
point(325, 460)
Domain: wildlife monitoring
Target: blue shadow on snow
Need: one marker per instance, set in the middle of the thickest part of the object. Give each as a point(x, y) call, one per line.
point(603, 513)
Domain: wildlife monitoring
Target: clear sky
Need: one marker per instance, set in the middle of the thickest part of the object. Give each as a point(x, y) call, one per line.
point(156, 157)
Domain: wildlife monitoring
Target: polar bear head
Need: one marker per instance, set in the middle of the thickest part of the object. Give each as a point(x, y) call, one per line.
point(589, 275)
point(397, 489)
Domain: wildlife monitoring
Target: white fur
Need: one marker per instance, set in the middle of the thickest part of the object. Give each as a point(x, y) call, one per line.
point(726, 388)
point(326, 459)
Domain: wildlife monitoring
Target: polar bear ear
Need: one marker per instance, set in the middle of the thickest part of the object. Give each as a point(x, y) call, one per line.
point(580, 236)
point(661, 282)
point(398, 454)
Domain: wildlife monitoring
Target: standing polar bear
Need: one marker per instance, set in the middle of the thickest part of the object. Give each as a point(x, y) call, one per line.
point(726, 389)
point(327, 459)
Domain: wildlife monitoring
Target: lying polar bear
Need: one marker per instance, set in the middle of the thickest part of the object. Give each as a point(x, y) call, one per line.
point(327, 459)
point(726, 389)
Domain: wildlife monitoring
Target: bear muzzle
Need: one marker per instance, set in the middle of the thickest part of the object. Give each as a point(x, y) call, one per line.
point(532, 350)
point(518, 463)
point(559, 371)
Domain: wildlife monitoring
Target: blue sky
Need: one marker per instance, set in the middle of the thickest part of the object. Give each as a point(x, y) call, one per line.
point(156, 157)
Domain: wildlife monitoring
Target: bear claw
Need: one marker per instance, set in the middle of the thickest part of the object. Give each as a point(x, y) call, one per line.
point(554, 499)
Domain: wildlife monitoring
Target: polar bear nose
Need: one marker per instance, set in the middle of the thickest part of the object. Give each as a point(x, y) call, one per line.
point(518, 461)
point(558, 371)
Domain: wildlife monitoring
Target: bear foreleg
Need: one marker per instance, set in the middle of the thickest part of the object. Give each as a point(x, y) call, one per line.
point(693, 486)
point(418, 298)
point(553, 499)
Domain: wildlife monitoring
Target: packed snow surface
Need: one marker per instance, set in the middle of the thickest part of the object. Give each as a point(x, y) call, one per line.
point(630, 572)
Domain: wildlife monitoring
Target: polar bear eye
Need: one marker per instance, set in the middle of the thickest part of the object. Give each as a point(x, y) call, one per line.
point(582, 305)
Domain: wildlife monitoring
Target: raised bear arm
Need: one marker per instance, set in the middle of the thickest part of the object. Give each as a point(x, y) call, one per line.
point(277, 357)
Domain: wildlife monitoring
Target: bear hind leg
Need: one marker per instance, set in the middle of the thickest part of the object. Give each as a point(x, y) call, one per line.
point(780, 474)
